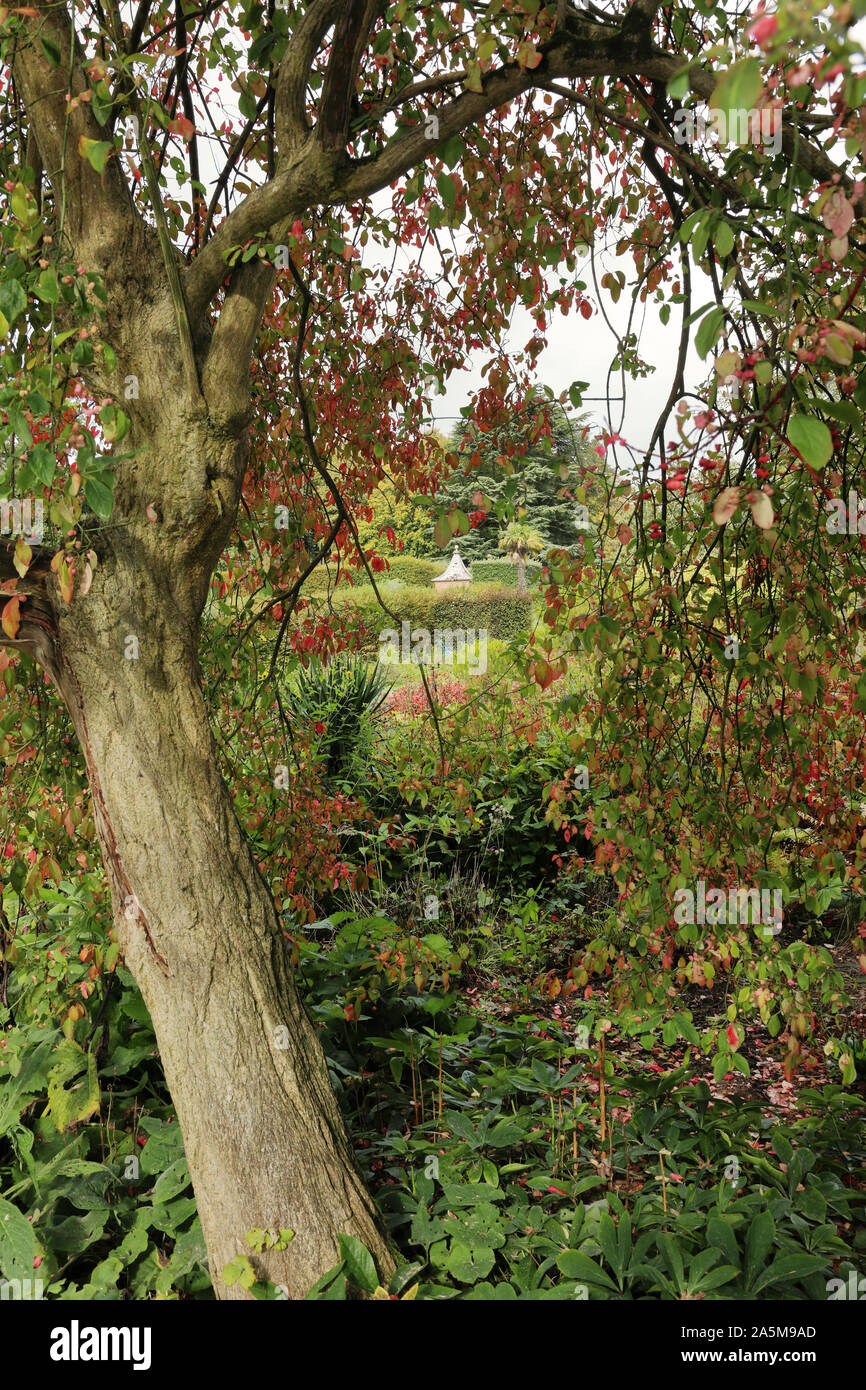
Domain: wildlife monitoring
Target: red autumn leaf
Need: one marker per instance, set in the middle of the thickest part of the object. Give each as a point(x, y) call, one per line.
point(10, 619)
point(183, 127)
point(732, 1037)
point(543, 673)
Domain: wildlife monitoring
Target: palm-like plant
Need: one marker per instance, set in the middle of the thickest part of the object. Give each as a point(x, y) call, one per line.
point(519, 541)
point(343, 697)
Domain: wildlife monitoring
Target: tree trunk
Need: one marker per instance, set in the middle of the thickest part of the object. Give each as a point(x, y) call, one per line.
point(263, 1135)
point(521, 573)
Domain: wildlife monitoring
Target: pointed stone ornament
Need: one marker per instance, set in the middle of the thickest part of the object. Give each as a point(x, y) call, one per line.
point(456, 576)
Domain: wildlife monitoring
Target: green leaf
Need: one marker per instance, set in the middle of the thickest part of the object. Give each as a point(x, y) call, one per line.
point(844, 411)
point(94, 151)
point(451, 151)
point(709, 331)
point(114, 422)
point(18, 421)
point(720, 1235)
point(714, 1278)
point(13, 300)
point(723, 239)
point(504, 1135)
point(738, 89)
point(17, 1243)
point(678, 85)
point(447, 190)
point(758, 1242)
point(674, 1259)
point(99, 493)
point(51, 49)
point(336, 1292)
point(608, 1242)
point(782, 1145)
point(101, 103)
point(424, 1231)
point(811, 438)
point(239, 1271)
point(687, 1030)
point(794, 1266)
point(358, 1263)
point(68, 1106)
point(469, 1263)
point(43, 463)
point(575, 1265)
point(47, 287)
point(404, 1276)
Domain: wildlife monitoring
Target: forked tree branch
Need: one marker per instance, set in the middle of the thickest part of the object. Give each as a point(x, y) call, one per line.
point(97, 209)
point(351, 36)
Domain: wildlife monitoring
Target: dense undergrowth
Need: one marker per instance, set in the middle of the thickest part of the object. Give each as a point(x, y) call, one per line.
point(511, 1154)
point(549, 1099)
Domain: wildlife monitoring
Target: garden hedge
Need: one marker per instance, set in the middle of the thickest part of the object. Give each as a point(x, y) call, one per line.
point(503, 612)
point(502, 572)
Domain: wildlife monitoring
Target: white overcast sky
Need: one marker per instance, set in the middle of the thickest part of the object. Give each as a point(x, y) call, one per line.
point(582, 350)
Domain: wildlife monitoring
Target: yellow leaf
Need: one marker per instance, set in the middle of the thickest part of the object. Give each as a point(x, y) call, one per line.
point(65, 581)
point(22, 556)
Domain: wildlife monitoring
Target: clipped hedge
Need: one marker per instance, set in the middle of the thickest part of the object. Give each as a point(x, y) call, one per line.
point(402, 570)
point(502, 572)
point(411, 569)
point(502, 612)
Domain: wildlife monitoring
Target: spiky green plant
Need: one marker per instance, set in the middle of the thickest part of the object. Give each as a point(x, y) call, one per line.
point(342, 696)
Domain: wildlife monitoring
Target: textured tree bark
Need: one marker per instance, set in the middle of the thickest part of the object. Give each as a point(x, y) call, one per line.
point(521, 573)
point(262, 1131)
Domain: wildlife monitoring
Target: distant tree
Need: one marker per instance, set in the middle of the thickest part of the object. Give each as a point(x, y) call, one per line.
point(520, 541)
point(396, 525)
point(531, 468)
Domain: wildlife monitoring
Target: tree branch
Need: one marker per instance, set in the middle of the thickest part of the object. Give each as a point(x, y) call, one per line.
point(312, 174)
point(350, 39)
point(98, 210)
point(290, 113)
point(318, 173)
point(226, 374)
